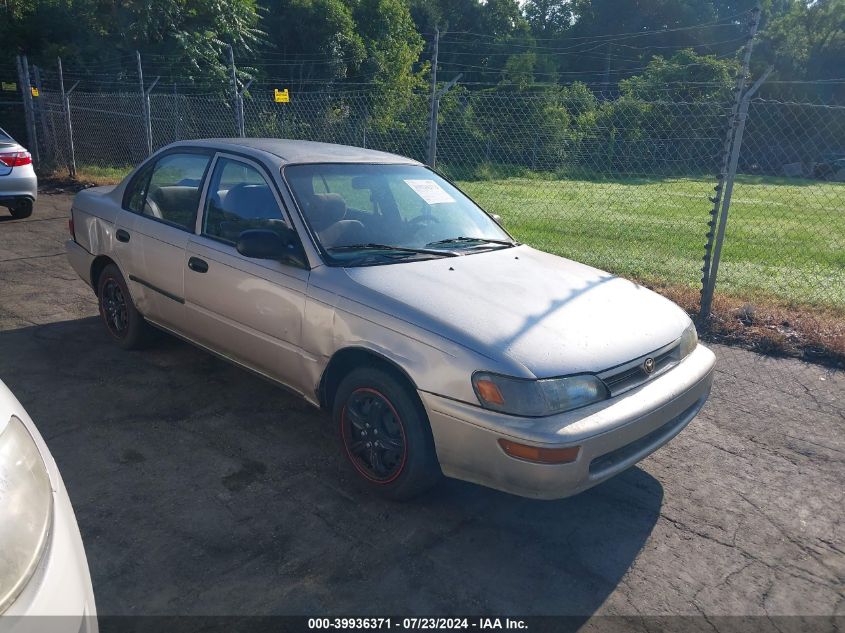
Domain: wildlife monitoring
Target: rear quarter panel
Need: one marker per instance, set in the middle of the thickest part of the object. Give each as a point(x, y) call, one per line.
point(94, 213)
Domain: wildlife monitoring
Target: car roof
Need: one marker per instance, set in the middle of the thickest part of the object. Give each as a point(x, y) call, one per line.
point(293, 151)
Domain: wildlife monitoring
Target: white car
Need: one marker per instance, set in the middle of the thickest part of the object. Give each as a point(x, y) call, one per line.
point(43, 569)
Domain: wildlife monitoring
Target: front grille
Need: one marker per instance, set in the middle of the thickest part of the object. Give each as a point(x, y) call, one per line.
point(631, 374)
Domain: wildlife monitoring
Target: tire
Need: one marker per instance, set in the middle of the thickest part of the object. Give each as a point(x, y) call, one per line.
point(399, 464)
point(21, 209)
point(122, 320)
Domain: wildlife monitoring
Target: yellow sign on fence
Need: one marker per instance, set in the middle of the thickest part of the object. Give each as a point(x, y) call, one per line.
point(281, 96)
point(10, 86)
point(35, 92)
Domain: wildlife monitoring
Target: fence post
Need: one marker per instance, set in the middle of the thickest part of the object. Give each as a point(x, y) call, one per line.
point(742, 116)
point(29, 116)
point(364, 121)
point(71, 161)
point(435, 104)
point(145, 113)
point(721, 202)
point(177, 133)
point(488, 142)
point(236, 97)
point(149, 115)
point(241, 114)
point(45, 115)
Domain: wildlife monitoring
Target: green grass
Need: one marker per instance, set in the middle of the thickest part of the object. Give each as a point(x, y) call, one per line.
point(99, 175)
point(785, 237)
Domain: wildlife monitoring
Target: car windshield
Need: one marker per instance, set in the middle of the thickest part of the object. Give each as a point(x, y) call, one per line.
point(372, 214)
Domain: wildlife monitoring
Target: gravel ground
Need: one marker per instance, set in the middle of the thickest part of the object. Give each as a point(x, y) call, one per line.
point(200, 489)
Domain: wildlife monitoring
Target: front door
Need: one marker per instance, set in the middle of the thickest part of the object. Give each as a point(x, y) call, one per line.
point(247, 309)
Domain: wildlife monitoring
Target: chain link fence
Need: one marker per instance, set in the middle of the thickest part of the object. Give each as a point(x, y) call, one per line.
point(621, 183)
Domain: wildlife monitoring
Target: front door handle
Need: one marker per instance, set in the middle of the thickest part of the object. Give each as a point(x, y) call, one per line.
point(122, 236)
point(198, 265)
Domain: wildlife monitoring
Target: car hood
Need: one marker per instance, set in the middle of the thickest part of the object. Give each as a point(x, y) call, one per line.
point(552, 316)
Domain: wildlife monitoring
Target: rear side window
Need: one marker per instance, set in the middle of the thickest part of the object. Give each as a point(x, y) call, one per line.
point(169, 190)
point(136, 190)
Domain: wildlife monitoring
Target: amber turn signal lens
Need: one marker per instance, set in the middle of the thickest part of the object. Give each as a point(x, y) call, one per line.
point(489, 392)
point(540, 455)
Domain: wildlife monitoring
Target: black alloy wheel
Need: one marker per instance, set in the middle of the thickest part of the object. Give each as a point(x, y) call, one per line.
point(115, 312)
point(374, 435)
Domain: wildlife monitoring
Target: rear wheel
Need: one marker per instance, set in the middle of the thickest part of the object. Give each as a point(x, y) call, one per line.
point(21, 209)
point(385, 434)
point(123, 321)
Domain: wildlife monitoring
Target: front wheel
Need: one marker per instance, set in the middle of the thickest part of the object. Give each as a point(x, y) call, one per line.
point(123, 321)
point(385, 434)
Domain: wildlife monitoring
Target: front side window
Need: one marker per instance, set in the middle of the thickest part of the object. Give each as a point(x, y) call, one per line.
point(173, 192)
point(239, 198)
point(361, 213)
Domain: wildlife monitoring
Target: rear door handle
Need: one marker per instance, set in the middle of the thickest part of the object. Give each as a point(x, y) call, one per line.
point(122, 236)
point(198, 265)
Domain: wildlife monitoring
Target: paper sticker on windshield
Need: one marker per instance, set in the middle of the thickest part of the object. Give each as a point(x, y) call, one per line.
point(430, 191)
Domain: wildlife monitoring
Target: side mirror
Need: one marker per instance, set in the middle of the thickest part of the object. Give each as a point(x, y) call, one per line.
point(496, 218)
point(281, 244)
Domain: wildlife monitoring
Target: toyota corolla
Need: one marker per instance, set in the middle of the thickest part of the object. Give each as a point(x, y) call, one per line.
point(378, 291)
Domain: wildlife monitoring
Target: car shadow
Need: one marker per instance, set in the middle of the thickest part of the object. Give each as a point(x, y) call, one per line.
point(201, 489)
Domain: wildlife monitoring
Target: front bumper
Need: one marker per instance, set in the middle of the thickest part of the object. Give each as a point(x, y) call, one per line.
point(613, 435)
point(61, 584)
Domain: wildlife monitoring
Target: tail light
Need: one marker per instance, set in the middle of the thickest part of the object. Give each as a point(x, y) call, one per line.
point(15, 159)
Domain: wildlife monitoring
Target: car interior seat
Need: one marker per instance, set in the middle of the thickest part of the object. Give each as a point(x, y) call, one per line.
point(327, 215)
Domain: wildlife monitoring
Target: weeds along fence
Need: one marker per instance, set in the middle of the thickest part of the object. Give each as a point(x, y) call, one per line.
point(642, 187)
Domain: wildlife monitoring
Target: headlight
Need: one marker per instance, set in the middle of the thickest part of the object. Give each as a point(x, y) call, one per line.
point(26, 508)
point(689, 339)
point(535, 398)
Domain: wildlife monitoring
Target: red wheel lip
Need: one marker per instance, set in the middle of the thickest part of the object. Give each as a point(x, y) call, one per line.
point(349, 455)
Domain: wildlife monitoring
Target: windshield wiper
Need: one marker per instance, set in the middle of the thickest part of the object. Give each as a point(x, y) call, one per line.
point(389, 247)
point(462, 239)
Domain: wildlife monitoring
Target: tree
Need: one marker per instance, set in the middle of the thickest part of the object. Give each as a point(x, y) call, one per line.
point(806, 40)
point(187, 37)
point(686, 76)
point(519, 70)
point(549, 18)
point(317, 41)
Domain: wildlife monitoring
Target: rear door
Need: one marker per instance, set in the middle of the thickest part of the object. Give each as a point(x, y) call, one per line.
point(153, 229)
point(247, 309)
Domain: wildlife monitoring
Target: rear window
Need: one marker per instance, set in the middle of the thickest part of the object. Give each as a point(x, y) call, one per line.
point(4, 136)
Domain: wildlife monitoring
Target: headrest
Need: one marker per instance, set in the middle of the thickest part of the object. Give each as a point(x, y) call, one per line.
point(326, 209)
point(251, 201)
point(176, 196)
